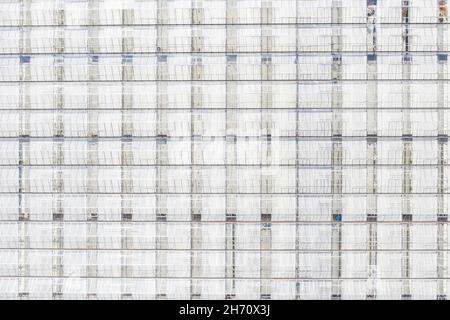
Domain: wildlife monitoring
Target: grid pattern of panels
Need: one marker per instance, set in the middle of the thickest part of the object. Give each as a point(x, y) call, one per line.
point(224, 149)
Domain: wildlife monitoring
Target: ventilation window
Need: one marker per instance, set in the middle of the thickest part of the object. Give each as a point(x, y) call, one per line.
point(196, 60)
point(25, 59)
point(231, 58)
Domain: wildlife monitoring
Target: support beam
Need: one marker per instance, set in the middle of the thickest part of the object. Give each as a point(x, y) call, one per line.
point(372, 149)
point(24, 151)
point(266, 182)
point(407, 141)
point(127, 187)
point(442, 156)
point(197, 188)
point(58, 155)
point(161, 238)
